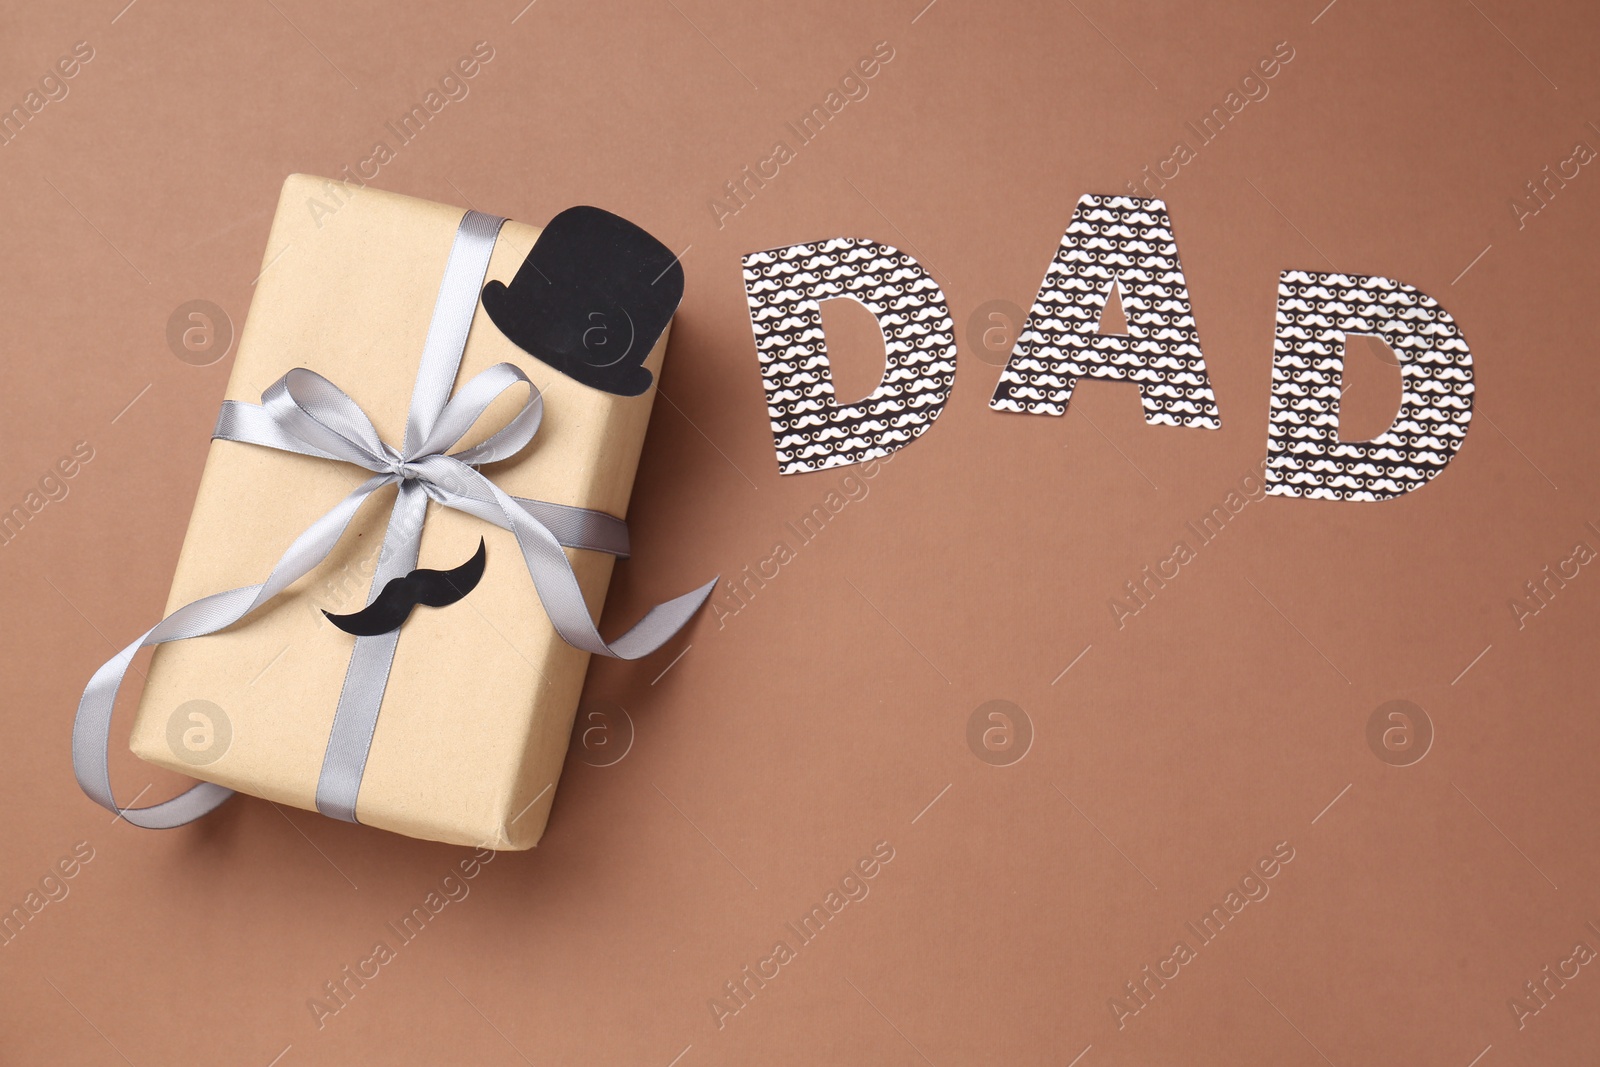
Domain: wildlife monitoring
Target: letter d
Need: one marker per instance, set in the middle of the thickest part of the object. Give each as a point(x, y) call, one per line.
point(1316, 312)
point(811, 430)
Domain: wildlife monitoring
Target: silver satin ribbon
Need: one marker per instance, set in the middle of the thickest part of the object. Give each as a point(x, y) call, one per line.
point(305, 413)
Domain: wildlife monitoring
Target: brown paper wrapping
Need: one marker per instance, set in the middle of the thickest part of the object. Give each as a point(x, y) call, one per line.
point(479, 707)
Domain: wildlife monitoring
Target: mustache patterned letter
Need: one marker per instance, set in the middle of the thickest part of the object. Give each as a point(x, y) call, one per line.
point(437, 589)
point(811, 430)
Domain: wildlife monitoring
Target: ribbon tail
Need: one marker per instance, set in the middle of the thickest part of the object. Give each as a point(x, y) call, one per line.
point(555, 581)
point(91, 730)
point(660, 624)
point(91, 746)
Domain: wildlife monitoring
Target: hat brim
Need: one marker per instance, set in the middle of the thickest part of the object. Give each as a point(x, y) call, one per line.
point(498, 303)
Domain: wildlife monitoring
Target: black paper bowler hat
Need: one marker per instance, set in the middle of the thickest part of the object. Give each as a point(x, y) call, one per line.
point(591, 299)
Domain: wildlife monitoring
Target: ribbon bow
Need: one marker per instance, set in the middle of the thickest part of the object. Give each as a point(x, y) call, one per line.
point(305, 413)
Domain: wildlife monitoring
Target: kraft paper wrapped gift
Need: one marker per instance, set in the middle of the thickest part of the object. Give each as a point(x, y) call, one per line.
point(479, 705)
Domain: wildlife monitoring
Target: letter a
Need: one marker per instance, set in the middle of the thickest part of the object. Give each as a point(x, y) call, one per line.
point(1127, 242)
point(811, 431)
point(1315, 314)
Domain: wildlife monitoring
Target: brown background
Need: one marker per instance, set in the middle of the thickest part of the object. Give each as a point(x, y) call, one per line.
point(828, 713)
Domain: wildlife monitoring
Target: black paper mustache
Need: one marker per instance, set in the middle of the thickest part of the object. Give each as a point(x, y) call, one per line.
point(437, 589)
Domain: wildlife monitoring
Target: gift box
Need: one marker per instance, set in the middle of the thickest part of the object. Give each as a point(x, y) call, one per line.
point(478, 705)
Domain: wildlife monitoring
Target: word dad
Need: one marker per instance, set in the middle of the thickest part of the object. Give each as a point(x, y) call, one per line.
point(1125, 242)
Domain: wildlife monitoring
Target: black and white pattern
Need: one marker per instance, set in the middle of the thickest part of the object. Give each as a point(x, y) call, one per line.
point(1127, 242)
point(810, 430)
point(1305, 457)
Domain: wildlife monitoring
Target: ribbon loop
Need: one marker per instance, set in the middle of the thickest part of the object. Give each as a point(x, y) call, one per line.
point(469, 404)
point(310, 407)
